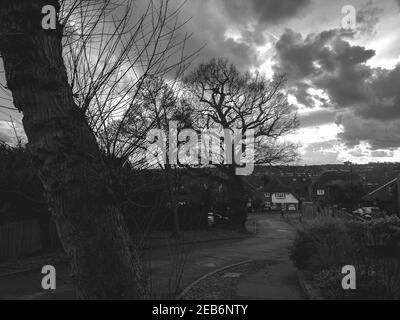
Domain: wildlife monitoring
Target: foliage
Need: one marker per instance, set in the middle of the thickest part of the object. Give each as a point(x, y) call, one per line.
point(21, 193)
point(323, 247)
point(370, 284)
point(321, 244)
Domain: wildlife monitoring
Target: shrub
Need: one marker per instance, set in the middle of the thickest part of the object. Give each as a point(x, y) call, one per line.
point(323, 247)
point(302, 250)
point(21, 193)
point(320, 245)
point(370, 284)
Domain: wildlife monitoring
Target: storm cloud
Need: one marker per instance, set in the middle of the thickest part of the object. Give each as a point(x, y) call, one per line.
point(265, 11)
point(327, 63)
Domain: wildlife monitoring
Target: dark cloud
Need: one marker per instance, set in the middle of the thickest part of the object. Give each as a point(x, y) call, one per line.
point(211, 19)
point(208, 26)
point(378, 134)
point(328, 62)
point(323, 61)
point(316, 118)
point(273, 11)
point(265, 11)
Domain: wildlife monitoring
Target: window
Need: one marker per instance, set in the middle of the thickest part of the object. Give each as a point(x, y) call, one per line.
point(267, 195)
point(280, 195)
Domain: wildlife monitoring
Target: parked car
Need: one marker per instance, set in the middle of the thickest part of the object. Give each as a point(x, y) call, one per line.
point(359, 212)
point(266, 207)
point(292, 207)
point(367, 213)
point(217, 219)
point(210, 219)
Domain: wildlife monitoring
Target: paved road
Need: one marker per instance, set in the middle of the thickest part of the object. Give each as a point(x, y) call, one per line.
point(271, 243)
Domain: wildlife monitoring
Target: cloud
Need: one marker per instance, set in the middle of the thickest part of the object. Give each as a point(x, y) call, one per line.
point(321, 153)
point(368, 17)
point(5, 132)
point(213, 27)
point(325, 70)
point(378, 134)
point(382, 154)
point(265, 11)
point(316, 118)
point(324, 61)
point(214, 21)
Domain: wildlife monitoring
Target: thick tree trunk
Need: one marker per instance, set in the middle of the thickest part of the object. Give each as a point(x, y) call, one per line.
point(67, 156)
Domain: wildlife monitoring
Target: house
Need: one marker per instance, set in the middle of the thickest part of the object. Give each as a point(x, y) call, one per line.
point(385, 197)
point(336, 188)
point(277, 196)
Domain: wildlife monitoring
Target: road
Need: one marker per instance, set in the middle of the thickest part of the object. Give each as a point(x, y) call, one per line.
point(271, 243)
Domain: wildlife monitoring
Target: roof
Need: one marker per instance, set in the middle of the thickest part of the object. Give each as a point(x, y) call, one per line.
point(274, 185)
point(288, 199)
point(328, 177)
point(380, 188)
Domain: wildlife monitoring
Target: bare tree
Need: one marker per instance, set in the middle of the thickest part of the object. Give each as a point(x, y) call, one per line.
point(67, 112)
point(158, 104)
point(111, 49)
point(227, 98)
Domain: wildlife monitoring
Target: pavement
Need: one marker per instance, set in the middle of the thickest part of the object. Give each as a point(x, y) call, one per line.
point(174, 268)
point(277, 282)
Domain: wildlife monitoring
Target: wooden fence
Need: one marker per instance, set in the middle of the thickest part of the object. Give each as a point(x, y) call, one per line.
point(19, 238)
point(310, 212)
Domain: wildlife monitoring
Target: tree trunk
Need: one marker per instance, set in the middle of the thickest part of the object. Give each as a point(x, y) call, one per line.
point(67, 156)
point(173, 200)
point(237, 201)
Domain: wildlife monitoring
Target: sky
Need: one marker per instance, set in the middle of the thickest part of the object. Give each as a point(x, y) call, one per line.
point(342, 83)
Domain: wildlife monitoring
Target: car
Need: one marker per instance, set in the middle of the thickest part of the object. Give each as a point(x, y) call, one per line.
point(210, 219)
point(267, 207)
point(359, 212)
point(217, 219)
point(220, 219)
point(292, 207)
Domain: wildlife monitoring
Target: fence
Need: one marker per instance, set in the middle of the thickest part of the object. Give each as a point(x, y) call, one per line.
point(311, 212)
point(19, 238)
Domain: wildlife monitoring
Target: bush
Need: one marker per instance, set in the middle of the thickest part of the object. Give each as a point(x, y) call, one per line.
point(323, 247)
point(21, 193)
point(320, 245)
point(302, 250)
point(370, 284)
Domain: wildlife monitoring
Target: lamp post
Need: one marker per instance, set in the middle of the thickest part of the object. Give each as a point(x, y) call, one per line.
point(349, 163)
